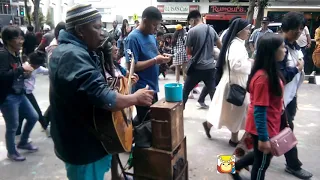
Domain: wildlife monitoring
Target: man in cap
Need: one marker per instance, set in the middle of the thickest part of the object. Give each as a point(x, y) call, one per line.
point(77, 90)
point(258, 33)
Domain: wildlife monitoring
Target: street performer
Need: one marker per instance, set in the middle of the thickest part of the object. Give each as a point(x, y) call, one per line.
point(77, 88)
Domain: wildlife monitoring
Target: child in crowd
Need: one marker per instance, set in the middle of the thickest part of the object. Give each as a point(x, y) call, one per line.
point(162, 49)
point(168, 45)
point(36, 60)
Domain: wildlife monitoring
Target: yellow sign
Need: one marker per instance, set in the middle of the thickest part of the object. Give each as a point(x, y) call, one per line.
point(135, 17)
point(226, 164)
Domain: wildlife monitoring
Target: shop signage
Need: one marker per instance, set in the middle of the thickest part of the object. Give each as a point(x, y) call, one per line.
point(177, 9)
point(228, 9)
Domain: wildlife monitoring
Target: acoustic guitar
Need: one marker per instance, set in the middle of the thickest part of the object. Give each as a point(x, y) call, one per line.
point(116, 134)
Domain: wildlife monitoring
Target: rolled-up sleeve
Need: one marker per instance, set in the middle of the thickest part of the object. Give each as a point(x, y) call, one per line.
point(82, 74)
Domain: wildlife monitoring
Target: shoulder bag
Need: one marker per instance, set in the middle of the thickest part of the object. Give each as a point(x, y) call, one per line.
point(236, 93)
point(285, 140)
point(195, 59)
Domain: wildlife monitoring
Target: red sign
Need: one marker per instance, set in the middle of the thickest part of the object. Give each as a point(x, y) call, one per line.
point(161, 8)
point(228, 9)
point(193, 7)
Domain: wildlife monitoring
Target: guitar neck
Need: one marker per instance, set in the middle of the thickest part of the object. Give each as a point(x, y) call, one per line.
point(131, 72)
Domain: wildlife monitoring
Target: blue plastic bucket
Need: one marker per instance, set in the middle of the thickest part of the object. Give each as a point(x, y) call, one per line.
point(173, 92)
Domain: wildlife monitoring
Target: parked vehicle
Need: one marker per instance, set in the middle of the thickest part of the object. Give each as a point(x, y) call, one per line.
point(275, 27)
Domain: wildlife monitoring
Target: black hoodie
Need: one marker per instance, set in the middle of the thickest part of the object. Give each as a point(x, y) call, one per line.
point(10, 70)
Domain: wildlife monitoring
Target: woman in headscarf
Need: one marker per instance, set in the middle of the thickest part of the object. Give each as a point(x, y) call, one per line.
point(179, 51)
point(222, 113)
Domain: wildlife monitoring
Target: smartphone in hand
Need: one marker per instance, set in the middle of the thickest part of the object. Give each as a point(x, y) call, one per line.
point(168, 55)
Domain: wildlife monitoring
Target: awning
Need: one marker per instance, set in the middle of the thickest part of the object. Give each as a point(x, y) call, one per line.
point(223, 17)
point(178, 17)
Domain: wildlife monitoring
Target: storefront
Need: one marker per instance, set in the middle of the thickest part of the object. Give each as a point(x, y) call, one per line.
point(312, 16)
point(219, 16)
point(172, 13)
point(311, 13)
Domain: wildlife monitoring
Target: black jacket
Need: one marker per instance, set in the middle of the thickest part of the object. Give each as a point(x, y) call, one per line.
point(30, 43)
point(10, 69)
point(77, 86)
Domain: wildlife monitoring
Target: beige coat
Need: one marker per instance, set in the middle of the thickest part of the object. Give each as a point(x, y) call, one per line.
point(221, 113)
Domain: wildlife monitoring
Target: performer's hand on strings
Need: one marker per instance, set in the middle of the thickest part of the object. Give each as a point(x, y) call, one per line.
point(144, 96)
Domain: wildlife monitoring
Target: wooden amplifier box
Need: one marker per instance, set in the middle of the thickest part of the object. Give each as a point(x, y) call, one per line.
point(155, 164)
point(167, 124)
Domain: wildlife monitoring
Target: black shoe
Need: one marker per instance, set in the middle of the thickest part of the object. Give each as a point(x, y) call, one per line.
point(16, 157)
point(28, 147)
point(301, 173)
point(203, 105)
point(206, 129)
point(236, 176)
point(233, 144)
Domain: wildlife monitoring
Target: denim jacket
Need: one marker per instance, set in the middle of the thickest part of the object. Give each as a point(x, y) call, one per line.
point(77, 88)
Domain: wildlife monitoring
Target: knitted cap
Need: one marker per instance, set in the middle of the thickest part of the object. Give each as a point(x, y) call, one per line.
point(81, 14)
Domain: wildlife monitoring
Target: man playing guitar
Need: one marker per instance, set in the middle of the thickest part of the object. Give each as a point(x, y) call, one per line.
point(77, 89)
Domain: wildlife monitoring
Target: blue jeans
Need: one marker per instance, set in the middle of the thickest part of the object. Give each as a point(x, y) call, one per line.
point(92, 171)
point(11, 108)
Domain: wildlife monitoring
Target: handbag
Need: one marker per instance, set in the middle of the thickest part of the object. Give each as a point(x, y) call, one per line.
point(195, 59)
point(143, 133)
point(284, 141)
point(236, 93)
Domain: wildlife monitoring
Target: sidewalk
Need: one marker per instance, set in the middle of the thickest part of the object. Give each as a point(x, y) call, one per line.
point(201, 151)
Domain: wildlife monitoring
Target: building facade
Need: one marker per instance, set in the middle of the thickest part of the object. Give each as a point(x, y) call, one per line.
point(310, 8)
point(214, 12)
point(219, 12)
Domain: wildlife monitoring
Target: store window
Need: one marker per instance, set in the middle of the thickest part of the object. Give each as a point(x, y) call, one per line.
point(5, 7)
point(227, 0)
point(178, 0)
point(101, 10)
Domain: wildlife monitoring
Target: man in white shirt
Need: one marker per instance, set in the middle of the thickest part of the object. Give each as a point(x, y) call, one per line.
point(304, 42)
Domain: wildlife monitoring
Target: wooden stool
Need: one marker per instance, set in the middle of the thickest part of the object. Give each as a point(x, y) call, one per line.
point(155, 164)
point(167, 124)
point(167, 159)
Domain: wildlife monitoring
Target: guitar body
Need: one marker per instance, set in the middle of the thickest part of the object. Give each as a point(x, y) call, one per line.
point(116, 134)
point(115, 129)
